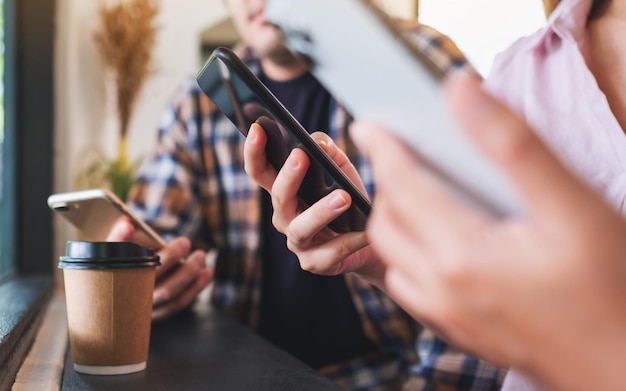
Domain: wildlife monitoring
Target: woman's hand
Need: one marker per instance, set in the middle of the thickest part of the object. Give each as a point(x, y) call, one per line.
point(544, 291)
point(181, 276)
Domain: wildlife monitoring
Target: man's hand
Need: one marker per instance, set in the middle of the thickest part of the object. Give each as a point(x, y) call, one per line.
point(319, 249)
point(179, 279)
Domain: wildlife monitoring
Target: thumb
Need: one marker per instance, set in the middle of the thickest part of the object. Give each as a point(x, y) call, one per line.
point(122, 231)
point(542, 180)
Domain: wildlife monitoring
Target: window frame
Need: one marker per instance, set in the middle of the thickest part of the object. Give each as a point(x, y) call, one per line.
point(7, 176)
point(29, 132)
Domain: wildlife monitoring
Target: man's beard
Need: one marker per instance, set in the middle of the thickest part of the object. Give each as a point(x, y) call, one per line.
point(281, 55)
point(275, 52)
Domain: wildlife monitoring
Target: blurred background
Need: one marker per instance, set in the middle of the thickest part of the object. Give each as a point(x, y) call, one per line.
point(188, 31)
point(80, 92)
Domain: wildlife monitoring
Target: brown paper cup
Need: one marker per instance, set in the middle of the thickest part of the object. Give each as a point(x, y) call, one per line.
point(109, 306)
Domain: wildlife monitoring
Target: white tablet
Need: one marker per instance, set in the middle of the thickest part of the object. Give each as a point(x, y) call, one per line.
point(366, 63)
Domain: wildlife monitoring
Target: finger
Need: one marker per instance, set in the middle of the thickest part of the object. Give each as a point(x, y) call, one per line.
point(306, 225)
point(184, 299)
point(328, 257)
point(143, 239)
point(397, 247)
point(505, 138)
point(418, 303)
point(407, 295)
point(339, 157)
point(172, 255)
point(122, 231)
point(176, 282)
point(284, 192)
point(256, 164)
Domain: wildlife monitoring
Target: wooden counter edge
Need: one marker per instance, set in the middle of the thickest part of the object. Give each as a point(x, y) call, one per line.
point(43, 367)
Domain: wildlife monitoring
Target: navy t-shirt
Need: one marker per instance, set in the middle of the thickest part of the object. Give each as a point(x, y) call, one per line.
point(312, 317)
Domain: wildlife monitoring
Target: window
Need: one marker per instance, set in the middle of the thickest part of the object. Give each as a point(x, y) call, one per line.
point(5, 250)
point(483, 28)
point(27, 131)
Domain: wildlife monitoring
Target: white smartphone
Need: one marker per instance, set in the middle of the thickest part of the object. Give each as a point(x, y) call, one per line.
point(358, 53)
point(94, 212)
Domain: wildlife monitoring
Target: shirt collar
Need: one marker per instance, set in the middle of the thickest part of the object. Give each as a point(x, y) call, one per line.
point(569, 19)
point(567, 22)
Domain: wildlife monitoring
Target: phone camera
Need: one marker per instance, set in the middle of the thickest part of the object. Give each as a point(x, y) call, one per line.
point(61, 207)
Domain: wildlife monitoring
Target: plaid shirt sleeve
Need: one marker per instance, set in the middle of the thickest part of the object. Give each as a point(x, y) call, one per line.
point(441, 366)
point(165, 194)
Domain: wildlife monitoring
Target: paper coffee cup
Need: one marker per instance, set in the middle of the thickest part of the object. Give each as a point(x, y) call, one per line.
point(108, 291)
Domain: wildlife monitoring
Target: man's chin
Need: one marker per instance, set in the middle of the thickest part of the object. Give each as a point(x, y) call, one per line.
point(276, 52)
point(282, 56)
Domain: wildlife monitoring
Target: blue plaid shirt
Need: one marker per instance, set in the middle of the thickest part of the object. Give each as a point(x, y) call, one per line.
point(195, 186)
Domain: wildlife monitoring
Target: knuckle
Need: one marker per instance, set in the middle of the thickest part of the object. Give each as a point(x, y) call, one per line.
point(277, 199)
point(519, 147)
point(294, 247)
point(319, 267)
point(277, 222)
point(307, 266)
point(453, 270)
point(296, 238)
point(345, 249)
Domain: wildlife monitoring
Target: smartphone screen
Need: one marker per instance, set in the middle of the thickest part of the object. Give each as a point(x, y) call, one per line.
point(239, 95)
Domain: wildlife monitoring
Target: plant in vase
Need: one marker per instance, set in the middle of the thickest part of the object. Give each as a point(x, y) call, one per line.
point(125, 41)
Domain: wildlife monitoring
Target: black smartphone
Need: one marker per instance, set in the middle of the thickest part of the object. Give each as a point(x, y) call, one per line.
point(243, 98)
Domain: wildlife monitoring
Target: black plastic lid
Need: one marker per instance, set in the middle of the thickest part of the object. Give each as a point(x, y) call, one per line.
point(107, 255)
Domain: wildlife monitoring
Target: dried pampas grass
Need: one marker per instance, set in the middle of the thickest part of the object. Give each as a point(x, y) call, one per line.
point(125, 40)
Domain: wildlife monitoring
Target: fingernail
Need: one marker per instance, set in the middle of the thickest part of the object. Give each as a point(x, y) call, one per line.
point(252, 134)
point(337, 201)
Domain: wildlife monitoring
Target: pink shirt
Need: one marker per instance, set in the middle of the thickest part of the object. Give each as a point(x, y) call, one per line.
point(545, 79)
